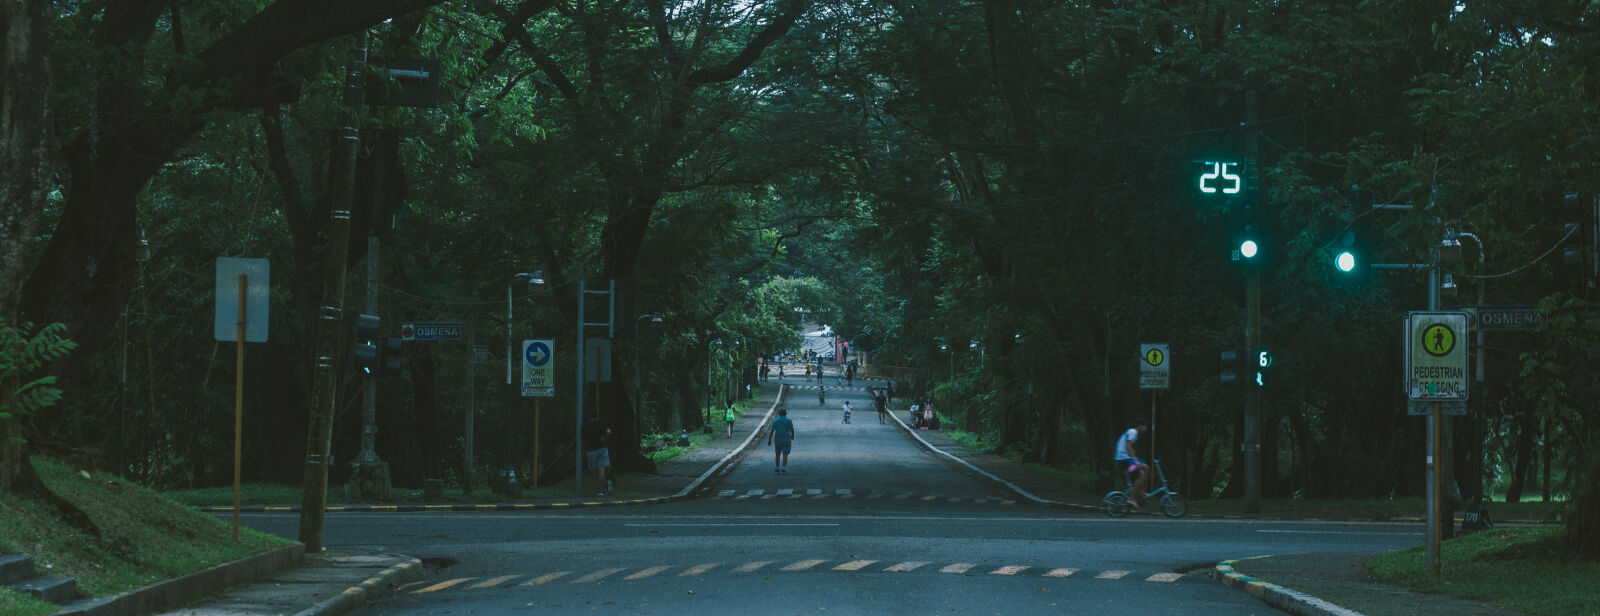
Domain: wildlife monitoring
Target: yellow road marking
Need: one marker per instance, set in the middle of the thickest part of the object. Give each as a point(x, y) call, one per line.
point(546, 578)
point(443, 585)
point(597, 576)
point(492, 583)
point(647, 573)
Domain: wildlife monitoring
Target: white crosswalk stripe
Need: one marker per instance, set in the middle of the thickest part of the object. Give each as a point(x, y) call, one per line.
point(698, 569)
point(1112, 575)
point(910, 565)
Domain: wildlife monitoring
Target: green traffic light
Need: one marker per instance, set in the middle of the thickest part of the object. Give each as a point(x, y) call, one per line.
point(1346, 261)
point(1248, 249)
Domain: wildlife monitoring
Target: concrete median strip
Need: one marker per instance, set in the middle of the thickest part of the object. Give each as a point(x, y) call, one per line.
point(1286, 599)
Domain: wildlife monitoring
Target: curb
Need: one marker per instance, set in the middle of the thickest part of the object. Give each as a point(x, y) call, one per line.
point(371, 589)
point(176, 592)
point(1286, 599)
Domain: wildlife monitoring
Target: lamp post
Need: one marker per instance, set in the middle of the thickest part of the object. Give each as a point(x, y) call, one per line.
point(710, 362)
point(638, 384)
point(535, 278)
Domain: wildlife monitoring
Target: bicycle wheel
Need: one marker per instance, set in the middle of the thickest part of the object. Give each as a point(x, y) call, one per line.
point(1116, 503)
point(1174, 505)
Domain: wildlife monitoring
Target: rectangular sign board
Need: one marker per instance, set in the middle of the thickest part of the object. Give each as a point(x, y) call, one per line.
point(538, 368)
point(430, 331)
point(257, 286)
point(1436, 356)
point(1155, 366)
point(1508, 318)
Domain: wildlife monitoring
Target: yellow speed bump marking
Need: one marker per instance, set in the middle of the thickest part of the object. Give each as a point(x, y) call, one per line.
point(442, 585)
point(492, 582)
point(647, 573)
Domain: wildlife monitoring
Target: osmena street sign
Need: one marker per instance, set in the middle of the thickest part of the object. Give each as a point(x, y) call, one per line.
point(430, 331)
point(1436, 356)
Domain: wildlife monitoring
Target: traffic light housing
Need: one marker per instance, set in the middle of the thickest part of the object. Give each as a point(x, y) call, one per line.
point(1350, 253)
point(1230, 367)
point(1249, 247)
point(364, 342)
point(389, 357)
point(1261, 360)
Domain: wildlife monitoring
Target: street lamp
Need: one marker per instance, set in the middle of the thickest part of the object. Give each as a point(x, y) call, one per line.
point(638, 384)
point(535, 278)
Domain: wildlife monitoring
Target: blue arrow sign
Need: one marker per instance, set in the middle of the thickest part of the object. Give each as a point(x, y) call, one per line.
point(538, 353)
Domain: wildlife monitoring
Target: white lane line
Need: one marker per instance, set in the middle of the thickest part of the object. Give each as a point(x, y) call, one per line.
point(443, 585)
point(957, 568)
point(803, 565)
point(1112, 575)
point(1164, 577)
point(597, 576)
point(1060, 573)
point(1009, 570)
point(910, 565)
point(492, 583)
point(733, 524)
point(546, 578)
point(1332, 532)
point(698, 569)
point(646, 573)
point(751, 567)
point(854, 565)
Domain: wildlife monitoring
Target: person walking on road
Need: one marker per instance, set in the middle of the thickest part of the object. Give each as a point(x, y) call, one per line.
point(781, 437)
point(808, 372)
point(883, 407)
point(728, 419)
point(595, 454)
point(1128, 460)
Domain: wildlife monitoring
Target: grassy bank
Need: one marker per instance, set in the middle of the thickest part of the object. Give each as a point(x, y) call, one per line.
point(1526, 569)
point(144, 538)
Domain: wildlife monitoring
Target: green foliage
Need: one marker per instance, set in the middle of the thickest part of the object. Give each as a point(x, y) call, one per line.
point(1524, 569)
point(22, 352)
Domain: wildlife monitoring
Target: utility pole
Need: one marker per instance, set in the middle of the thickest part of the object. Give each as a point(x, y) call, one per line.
point(330, 316)
point(1252, 327)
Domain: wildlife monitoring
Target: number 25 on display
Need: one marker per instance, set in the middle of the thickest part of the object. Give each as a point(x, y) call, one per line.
point(1222, 173)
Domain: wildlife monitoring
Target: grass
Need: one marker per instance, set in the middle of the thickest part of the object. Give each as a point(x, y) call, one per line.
point(1527, 569)
point(144, 537)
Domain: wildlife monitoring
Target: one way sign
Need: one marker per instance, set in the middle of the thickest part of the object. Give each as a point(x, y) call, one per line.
point(538, 369)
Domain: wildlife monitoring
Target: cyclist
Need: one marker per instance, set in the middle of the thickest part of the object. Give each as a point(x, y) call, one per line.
point(847, 411)
point(1128, 460)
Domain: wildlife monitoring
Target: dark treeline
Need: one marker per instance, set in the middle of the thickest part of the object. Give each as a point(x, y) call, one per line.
point(995, 200)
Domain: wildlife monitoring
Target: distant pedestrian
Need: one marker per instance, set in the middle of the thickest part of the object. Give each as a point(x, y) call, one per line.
point(808, 373)
point(728, 419)
point(780, 371)
point(916, 414)
point(596, 455)
point(850, 375)
point(781, 437)
point(883, 408)
point(766, 369)
point(847, 411)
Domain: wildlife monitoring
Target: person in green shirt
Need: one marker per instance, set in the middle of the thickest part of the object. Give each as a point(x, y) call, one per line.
point(728, 419)
point(781, 436)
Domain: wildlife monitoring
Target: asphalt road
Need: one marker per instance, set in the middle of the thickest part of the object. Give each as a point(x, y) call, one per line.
point(864, 523)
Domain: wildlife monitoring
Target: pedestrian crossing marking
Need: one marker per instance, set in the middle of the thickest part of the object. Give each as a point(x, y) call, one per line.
point(842, 492)
point(1164, 577)
point(1060, 573)
point(546, 578)
point(813, 492)
point(957, 568)
point(902, 496)
point(803, 565)
point(854, 565)
point(751, 567)
point(443, 585)
point(597, 576)
point(492, 583)
point(1009, 570)
point(930, 497)
point(698, 569)
point(910, 565)
point(785, 491)
point(727, 493)
point(1112, 575)
point(647, 573)
point(755, 492)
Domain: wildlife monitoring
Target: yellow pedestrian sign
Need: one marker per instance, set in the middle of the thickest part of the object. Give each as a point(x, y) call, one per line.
point(1436, 357)
point(1155, 366)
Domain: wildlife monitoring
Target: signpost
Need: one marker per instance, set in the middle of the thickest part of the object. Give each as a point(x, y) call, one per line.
point(242, 290)
point(1436, 374)
point(1155, 374)
point(538, 372)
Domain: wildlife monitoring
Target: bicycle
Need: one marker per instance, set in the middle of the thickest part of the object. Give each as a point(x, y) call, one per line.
point(1173, 504)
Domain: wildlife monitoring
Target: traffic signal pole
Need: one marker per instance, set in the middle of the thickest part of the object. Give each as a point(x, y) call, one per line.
point(319, 436)
point(1252, 328)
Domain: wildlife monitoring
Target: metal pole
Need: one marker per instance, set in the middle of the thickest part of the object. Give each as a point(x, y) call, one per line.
point(319, 436)
point(1252, 331)
point(1434, 465)
point(472, 405)
point(238, 403)
point(506, 468)
point(577, 470)
point(369, 382)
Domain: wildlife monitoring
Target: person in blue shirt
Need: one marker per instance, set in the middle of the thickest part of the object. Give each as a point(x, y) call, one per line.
point(781, 436)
